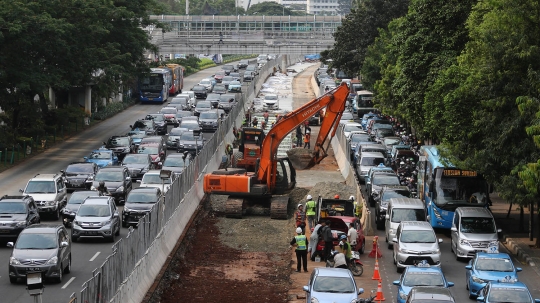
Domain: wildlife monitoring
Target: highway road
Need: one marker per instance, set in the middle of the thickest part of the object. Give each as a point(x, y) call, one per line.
point(87, 255)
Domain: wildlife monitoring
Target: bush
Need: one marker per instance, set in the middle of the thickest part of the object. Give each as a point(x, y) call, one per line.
point(206, 63)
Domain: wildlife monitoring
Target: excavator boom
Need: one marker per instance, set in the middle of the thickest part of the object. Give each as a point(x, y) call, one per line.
point(334, 101)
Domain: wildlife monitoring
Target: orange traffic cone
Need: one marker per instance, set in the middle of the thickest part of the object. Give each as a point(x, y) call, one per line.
point(376, 274)
point(380, 295)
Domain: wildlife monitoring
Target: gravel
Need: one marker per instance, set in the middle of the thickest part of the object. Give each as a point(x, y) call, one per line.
point(329, 189)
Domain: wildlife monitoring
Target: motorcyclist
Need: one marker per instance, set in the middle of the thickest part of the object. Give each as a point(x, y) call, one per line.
point(339, 260)
point(346, 248)
point(102, 189)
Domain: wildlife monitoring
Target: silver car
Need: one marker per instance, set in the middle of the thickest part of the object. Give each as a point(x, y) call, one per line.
point(416, 241)
point(331, 285)
point(97, 217)
point(473, 230)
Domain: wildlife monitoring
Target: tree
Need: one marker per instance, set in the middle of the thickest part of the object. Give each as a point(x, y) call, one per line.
point(344, 7)
point(270, 9)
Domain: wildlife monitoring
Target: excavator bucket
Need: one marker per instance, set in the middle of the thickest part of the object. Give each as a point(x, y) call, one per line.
point(301, 158)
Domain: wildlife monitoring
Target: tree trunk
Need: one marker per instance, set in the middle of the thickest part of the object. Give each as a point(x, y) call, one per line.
point(509, 209)
point(521, 227)
point(537, 244)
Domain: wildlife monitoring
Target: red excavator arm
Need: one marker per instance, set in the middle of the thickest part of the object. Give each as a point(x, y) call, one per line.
point(334, 101)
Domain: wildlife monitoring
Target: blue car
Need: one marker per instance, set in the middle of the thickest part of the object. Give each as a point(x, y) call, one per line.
point(365, 119)
point(331, 285)
point(420, 275)
point(102, 157)
point(505, 290)
point(485, 267)
point(136, 136)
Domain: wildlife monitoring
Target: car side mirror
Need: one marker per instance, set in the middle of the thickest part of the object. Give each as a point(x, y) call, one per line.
point(394, 240)
point(138, 181)
point(85, 158)
point(453, 229)
point(469, 267)
point(518, 269)
point(396, 282)
point(499, 230)
point(21, 190)
point(116, 214)
point(440, 240)
point(306, 288)
point(479, 299)
point(360, 291)
point(9, 244)
point(63, 244)
point(128, 178)
point(387, 217)
point(450, 284)
point(130, 126)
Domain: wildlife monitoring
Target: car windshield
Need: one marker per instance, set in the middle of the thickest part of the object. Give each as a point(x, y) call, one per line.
point(154, 179)
point(80, 169)
point(367, 149)
point(510, 295)
point(188, 136)
point(208, 115)
point(423, 279)
point(220, 73)
point(219, 88)
point(494, 264)
point(205, 82)
point(385, 179)
point(182, 101)
point(333, 284)
point(203, 105)
point(213, 97)
point(183, 114)
point(36, 241)
point(169, 110)
point(352, 127)
point(157, 117)
point(136, 197)
point(134, 159)
point(190, 126)
point(371, 161)
point(176, 132)
point(270, 97)
point(199, 88)
point(360, 138)
point(12, 208)
point(235, 82)
point(100, 155)
point(384, 132)
point(417, 236)
point(90, 210)
point(394, 194)
point(405, 214)
point(477, 225)
point(40, 187)
point(149, 150)
point(228, 78)
point(109, 176)
point(122, 141)
point(347, 116)
point(78, 197)
point(391, 141)
point(176, 162)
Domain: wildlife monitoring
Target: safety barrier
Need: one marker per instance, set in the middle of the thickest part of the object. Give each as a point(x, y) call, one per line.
point(135, 261)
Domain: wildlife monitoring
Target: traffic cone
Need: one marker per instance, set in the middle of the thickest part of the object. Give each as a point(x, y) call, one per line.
point(376, 274)
point(380, 295)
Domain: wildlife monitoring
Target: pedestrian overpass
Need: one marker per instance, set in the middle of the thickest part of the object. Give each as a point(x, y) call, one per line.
point(292, 35)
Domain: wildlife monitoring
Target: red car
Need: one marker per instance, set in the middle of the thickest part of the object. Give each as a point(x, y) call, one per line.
point(219, 76)
point(156, 152)
point(340, 225)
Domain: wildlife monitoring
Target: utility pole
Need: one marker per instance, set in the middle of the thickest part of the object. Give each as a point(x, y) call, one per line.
point(187, 7)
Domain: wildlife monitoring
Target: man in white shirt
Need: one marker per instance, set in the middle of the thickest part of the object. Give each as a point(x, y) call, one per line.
point(352, 235)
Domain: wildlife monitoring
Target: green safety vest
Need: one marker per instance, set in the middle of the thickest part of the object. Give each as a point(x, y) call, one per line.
point(348, 251)
point(310, 208)
point(301, 242)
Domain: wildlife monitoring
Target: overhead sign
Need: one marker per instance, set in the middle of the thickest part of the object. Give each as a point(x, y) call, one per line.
point(453, 172)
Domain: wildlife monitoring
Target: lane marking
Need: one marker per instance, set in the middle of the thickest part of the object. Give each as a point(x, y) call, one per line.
point(95, 256)
point(68, 282)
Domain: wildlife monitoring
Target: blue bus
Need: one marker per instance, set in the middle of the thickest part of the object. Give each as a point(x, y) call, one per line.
point(443, 188)
point(154, 87)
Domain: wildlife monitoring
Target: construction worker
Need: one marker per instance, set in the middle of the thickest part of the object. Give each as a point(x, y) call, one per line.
point(346, 248)
point(300, 217)
point(301, 243)
point(229, 151)
point(310, 211)
point(307, 139)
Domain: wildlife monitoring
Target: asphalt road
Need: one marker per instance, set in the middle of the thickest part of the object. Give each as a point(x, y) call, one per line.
point(87, 255)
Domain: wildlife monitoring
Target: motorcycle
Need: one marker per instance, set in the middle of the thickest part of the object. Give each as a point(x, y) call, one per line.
point(355, 265)
point(371, 298)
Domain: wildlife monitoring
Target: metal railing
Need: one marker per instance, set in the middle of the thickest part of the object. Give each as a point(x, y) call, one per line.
point(135, 261)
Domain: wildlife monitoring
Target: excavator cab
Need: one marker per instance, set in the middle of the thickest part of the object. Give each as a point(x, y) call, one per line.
point(285, 176)
point(249, 149)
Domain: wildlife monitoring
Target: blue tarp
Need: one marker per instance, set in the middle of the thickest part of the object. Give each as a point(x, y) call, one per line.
point(312, 57)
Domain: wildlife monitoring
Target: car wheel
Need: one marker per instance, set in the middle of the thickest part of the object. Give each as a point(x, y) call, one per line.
point(363, 247)
point(394, 259)
point(124, 224)
point(60, 274)
point(73, 238)
point(467, 287)
point(56, 214)
point(117, 231)
point(112, 237)
point(67, 270)
point(13, 280)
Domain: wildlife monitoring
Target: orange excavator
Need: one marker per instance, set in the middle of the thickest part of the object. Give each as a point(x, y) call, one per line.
point(276, 176)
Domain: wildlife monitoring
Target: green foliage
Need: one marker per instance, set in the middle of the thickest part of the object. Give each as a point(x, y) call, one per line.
point(270, 8)
point(220, 7)
point(205, 63)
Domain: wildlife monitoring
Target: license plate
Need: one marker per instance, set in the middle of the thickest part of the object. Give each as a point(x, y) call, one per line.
point(33, 269)
point(4, 231)
point(91, 232)
point(150, 99)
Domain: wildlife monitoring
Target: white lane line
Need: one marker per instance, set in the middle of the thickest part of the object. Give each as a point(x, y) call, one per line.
point(68, 282)
point(95, 256)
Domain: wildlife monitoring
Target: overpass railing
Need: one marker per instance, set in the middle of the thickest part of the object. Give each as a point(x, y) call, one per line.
point(135, 261)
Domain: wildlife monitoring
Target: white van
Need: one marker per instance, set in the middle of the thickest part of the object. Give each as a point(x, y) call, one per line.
point(367, 161)
point(473, 230)
point(402, 209)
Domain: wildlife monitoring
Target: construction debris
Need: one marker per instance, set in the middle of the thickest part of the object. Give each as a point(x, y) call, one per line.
point(328, 190)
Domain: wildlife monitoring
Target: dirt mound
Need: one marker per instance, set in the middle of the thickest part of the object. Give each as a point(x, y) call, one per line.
point(329, 189)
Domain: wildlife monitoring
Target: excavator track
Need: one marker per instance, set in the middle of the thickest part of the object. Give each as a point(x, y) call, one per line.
point(278, 207)
point(234, 208)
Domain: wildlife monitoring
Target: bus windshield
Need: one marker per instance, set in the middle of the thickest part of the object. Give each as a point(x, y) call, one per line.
point(152, 82)
point(452, 191)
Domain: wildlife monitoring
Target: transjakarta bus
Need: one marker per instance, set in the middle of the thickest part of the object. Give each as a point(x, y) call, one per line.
point(444, 188)
point(154, 86)
point(177, 72)
point(364, 98)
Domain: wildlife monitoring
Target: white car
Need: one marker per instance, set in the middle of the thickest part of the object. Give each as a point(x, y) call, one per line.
point(350, 127)
point(271, 101)
point(190, 94)
point(152, 179)
point(206, 83)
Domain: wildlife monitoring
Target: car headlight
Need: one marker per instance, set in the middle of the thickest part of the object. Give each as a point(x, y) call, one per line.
point(51, 203)
point(404, 251)
point(110, 163)
point(391, 231)
point(75, 222)
point(402, 295)
point(127, 210)
point(120, 189)
point(14, 261)
point(53, 260)
point(20, 223)
point(494, 243)
point(464, 242)
point(314, 300)
point(436, 251)
point(478, 280)
point(105, 223)
point(91, 178)
point(181, 145)
point(364, 172)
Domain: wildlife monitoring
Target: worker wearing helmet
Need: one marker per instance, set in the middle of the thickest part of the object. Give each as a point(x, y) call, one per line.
point(345, 247)
point(102, 189)
point(301, 243)
point(300, 217)
point(336, 197)
point(339, 260)
point(310, 211)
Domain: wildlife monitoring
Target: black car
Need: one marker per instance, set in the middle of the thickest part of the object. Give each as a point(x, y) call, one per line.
point(75, 200)
point(228, 68)
point(173, 136)
point(190, 143)
point(226, 102)
point(382, 199)
point(209, 121)
point(200, 91)
point(139, 202)
point(213, 99)
point(17, 212)
point(202, 106)
point(117, 180)
point(160, 123)
point(120, 145)
point(220, 89)
point(181, 103)
point(248, 76)
point(147, 125)
point(79, 175)
point(177, 162)
point(137, 164)
point(243, 64)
